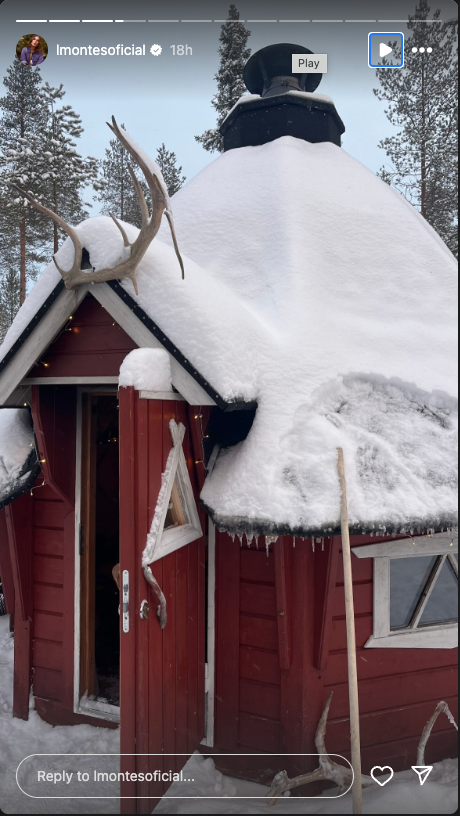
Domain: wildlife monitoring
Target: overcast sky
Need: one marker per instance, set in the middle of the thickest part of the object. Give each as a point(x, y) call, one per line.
point(167, 98)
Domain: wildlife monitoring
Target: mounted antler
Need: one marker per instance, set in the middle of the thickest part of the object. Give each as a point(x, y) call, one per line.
point(126, 267)
point(327, 769)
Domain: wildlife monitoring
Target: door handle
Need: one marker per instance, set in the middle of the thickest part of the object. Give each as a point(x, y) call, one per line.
point(125, 601)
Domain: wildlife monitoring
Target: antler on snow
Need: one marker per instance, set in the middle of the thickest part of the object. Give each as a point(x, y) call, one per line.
point(327, 768)
point(125, 268)
point(341, 775)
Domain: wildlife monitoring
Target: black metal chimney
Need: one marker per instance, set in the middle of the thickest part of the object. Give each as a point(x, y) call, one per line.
point(285, 106)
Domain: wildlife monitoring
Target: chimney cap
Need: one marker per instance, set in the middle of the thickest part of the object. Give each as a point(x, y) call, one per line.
point(276, 61)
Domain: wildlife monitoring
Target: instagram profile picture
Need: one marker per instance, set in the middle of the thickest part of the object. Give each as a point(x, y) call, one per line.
point(32, 49)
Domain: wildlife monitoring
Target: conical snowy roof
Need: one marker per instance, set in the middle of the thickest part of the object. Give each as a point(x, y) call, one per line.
point(357, 294)
point(314, 289)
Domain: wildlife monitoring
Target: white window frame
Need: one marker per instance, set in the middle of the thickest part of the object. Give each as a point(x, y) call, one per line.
point(436, 636)
point(161, 542)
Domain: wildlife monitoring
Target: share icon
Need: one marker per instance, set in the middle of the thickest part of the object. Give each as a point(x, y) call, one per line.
point(422, 771)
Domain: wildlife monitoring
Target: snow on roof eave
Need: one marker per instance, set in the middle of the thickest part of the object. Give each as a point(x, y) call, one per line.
point(33, 322)
point(239, 525)
point(47, 303)
point(24, 482)
point(19, 461)
point(236, 404)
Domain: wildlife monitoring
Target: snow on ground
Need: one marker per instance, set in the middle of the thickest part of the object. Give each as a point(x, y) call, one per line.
point(403, 794)
point(19, 739)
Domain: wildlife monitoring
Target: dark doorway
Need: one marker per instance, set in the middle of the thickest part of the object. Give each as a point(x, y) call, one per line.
point(100, 622)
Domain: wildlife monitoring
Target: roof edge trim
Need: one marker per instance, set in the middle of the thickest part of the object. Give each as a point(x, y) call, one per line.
point(39, 314)
point(174, 351)
point(224, 405)
point(240, 525)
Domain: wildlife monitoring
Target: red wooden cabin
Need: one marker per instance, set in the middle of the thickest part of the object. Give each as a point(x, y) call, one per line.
point(254, 639)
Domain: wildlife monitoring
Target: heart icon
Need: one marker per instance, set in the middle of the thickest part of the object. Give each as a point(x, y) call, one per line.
point(385, 768)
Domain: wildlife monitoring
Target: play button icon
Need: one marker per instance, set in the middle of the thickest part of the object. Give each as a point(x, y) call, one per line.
point(386, 49)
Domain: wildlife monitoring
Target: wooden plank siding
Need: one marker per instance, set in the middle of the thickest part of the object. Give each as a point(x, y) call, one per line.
point(91, 344)
point(95, 346)
point(248, 677)
point(6, 568)
point(162, 671)
point(261, 707)
point(398, 688)
point(48, 660)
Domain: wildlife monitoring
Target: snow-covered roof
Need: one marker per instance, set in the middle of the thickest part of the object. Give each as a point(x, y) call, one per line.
point(18, 458)
point(314, 289)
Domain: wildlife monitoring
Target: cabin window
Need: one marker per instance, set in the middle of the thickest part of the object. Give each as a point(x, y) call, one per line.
point(415, 592)
point(423, 591)
point(176, 514)
point(175, 521)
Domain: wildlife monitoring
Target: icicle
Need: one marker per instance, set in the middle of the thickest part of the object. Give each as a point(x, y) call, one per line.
point(322, 544)
point(240, 536)
point(257, 542)
point(313, 544)
point(293, 542)
point(268, 541)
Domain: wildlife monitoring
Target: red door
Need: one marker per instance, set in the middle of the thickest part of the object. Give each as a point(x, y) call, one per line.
point(162, 675)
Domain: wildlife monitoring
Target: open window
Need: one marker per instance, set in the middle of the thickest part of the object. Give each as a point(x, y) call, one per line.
point(415, 592)
point(175, 521)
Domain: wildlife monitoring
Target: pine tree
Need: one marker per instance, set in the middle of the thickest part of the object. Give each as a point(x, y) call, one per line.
point(423, 99)
point(167, 162)
point(234, 54)
point(9, 299)
point(63, 172)
point(23, 119)
point(118, 195)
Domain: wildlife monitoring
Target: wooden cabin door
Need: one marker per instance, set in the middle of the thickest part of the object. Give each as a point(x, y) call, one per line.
point(162, 672)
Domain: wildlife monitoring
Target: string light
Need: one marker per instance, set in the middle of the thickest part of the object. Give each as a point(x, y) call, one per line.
point(36, 487)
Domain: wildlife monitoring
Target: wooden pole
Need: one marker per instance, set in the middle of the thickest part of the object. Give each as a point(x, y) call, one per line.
point(357, 792)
